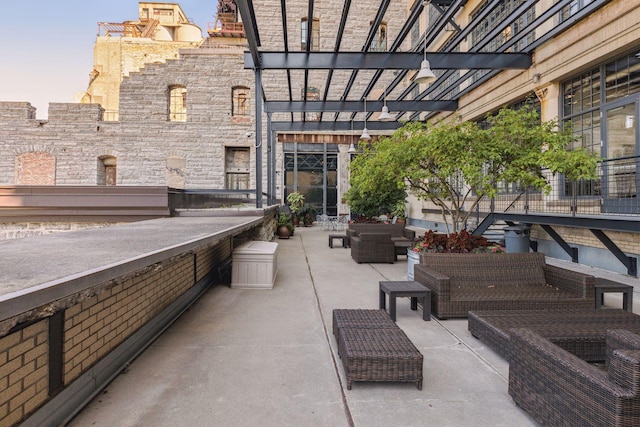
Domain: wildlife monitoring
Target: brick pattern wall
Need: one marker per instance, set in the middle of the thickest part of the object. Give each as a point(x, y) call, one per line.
point(36, 168)
point(97, 325)
point(24, 382)
point(210, 258)
point(627, 242)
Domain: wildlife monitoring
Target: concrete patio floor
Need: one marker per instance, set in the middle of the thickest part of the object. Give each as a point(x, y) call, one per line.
point(269, 358)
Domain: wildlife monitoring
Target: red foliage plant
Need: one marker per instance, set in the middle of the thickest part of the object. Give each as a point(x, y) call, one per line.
point(460, 242)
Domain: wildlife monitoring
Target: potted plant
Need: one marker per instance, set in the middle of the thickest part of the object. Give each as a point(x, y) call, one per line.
point(285, 226)
point(295, 201)
point(307, 213)
point(455, 243)
point(398, 211)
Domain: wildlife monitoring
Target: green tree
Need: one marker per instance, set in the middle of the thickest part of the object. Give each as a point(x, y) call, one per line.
point(457, 164)
point(373, 191)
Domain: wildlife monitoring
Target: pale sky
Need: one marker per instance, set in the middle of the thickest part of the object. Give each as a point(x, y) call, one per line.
point(46, 47)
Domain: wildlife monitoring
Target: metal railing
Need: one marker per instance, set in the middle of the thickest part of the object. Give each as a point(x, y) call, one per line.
point(614, 192)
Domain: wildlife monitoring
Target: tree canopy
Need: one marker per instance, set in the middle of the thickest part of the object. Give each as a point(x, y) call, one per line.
point(456, 164)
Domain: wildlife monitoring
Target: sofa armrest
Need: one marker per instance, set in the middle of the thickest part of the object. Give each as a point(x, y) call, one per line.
point(351, 233)
point(617, 339)
point(549, 383)
point(624, 370)
point(438, 283)
point(409, 234)
point(581, 284)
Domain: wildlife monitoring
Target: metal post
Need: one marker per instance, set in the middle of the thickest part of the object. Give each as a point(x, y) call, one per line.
point(270, 170)
point(258, 73)
point(324, 178)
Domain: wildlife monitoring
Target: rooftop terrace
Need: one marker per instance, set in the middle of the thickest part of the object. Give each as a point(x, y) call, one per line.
point(268, 357)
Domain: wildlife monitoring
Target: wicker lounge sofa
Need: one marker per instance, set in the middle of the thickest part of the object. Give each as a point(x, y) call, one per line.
point(518, 281)
point(372, 247)
point(559, 389)
point(397, 231)
point(579, 331)
point(373, 348)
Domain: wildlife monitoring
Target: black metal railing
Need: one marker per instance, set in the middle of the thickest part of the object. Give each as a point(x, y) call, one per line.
point(613, 192)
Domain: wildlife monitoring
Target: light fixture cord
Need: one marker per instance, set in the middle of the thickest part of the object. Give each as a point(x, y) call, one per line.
point(425, 4)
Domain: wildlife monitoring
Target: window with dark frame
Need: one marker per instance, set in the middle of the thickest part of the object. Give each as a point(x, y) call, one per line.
point(315, 34)
point(177, 103)
point(240, 101)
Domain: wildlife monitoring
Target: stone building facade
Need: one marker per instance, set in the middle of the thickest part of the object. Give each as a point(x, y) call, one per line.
point(210, 144)
point(160, 31)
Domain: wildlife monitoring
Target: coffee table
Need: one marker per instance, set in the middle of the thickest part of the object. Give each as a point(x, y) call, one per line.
point(603, 286)
point(580, 331)
point(343, 237)
point(414, 290)
point(401, 247)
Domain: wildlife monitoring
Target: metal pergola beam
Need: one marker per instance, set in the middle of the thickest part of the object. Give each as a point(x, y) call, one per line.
point(356, 106)
point(386, 60)
point(345, 126)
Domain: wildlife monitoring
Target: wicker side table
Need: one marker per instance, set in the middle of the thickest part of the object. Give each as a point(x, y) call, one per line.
point(343, 237)
point(414, 290)
point(603, 286)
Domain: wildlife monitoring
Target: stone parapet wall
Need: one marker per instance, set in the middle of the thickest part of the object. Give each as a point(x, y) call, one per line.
point(19, 230)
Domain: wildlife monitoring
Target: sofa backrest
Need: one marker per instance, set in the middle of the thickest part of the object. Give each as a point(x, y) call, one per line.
point(375, 237)
point(487, 269)
point(396, 230)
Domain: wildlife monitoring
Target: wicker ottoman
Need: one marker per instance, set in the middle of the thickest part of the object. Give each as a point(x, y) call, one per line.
point(379, 355)
point(360, 319)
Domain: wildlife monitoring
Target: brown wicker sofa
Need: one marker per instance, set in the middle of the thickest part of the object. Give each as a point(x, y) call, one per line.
point(377, 242)
point(559, 389)
point(397, 231)
point(372, 247)
point(460, 283)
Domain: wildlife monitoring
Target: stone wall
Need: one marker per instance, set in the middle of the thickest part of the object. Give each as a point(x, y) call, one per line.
point(145, 145)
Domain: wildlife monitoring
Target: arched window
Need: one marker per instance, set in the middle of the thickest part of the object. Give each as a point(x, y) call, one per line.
point(240, 101)
point(107, 170)
point(379, 42)
point(177, 104)
point(315, 34)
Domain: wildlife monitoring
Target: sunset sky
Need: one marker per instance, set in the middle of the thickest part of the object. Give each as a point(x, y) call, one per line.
point(47, 47)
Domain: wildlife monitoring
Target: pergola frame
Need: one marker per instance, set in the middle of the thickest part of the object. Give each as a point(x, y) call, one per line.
point(439, 96)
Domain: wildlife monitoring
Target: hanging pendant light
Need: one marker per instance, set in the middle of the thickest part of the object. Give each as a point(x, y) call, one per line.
point(365, 133)
point(384, 114)
point(352, 147)
point(425, 75)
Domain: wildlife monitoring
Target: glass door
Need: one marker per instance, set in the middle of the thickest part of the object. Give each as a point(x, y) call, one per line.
point(314, 175)
point(620, 154)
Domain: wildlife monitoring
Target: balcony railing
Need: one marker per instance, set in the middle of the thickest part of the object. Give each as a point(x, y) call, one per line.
point(613, 193)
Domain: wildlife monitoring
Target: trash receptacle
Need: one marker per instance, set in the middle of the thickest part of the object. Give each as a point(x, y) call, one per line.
point(516, 238)
point(254, 265)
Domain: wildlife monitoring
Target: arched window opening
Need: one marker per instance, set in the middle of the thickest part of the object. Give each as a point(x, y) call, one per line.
point(107, 170)
point(315, 34)
point(178, 104)
point(240, 101)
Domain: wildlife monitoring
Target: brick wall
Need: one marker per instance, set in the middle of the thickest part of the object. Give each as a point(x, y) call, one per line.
point(97, 325)
point(627, 242)
point(23, 372)
point(96, 321)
